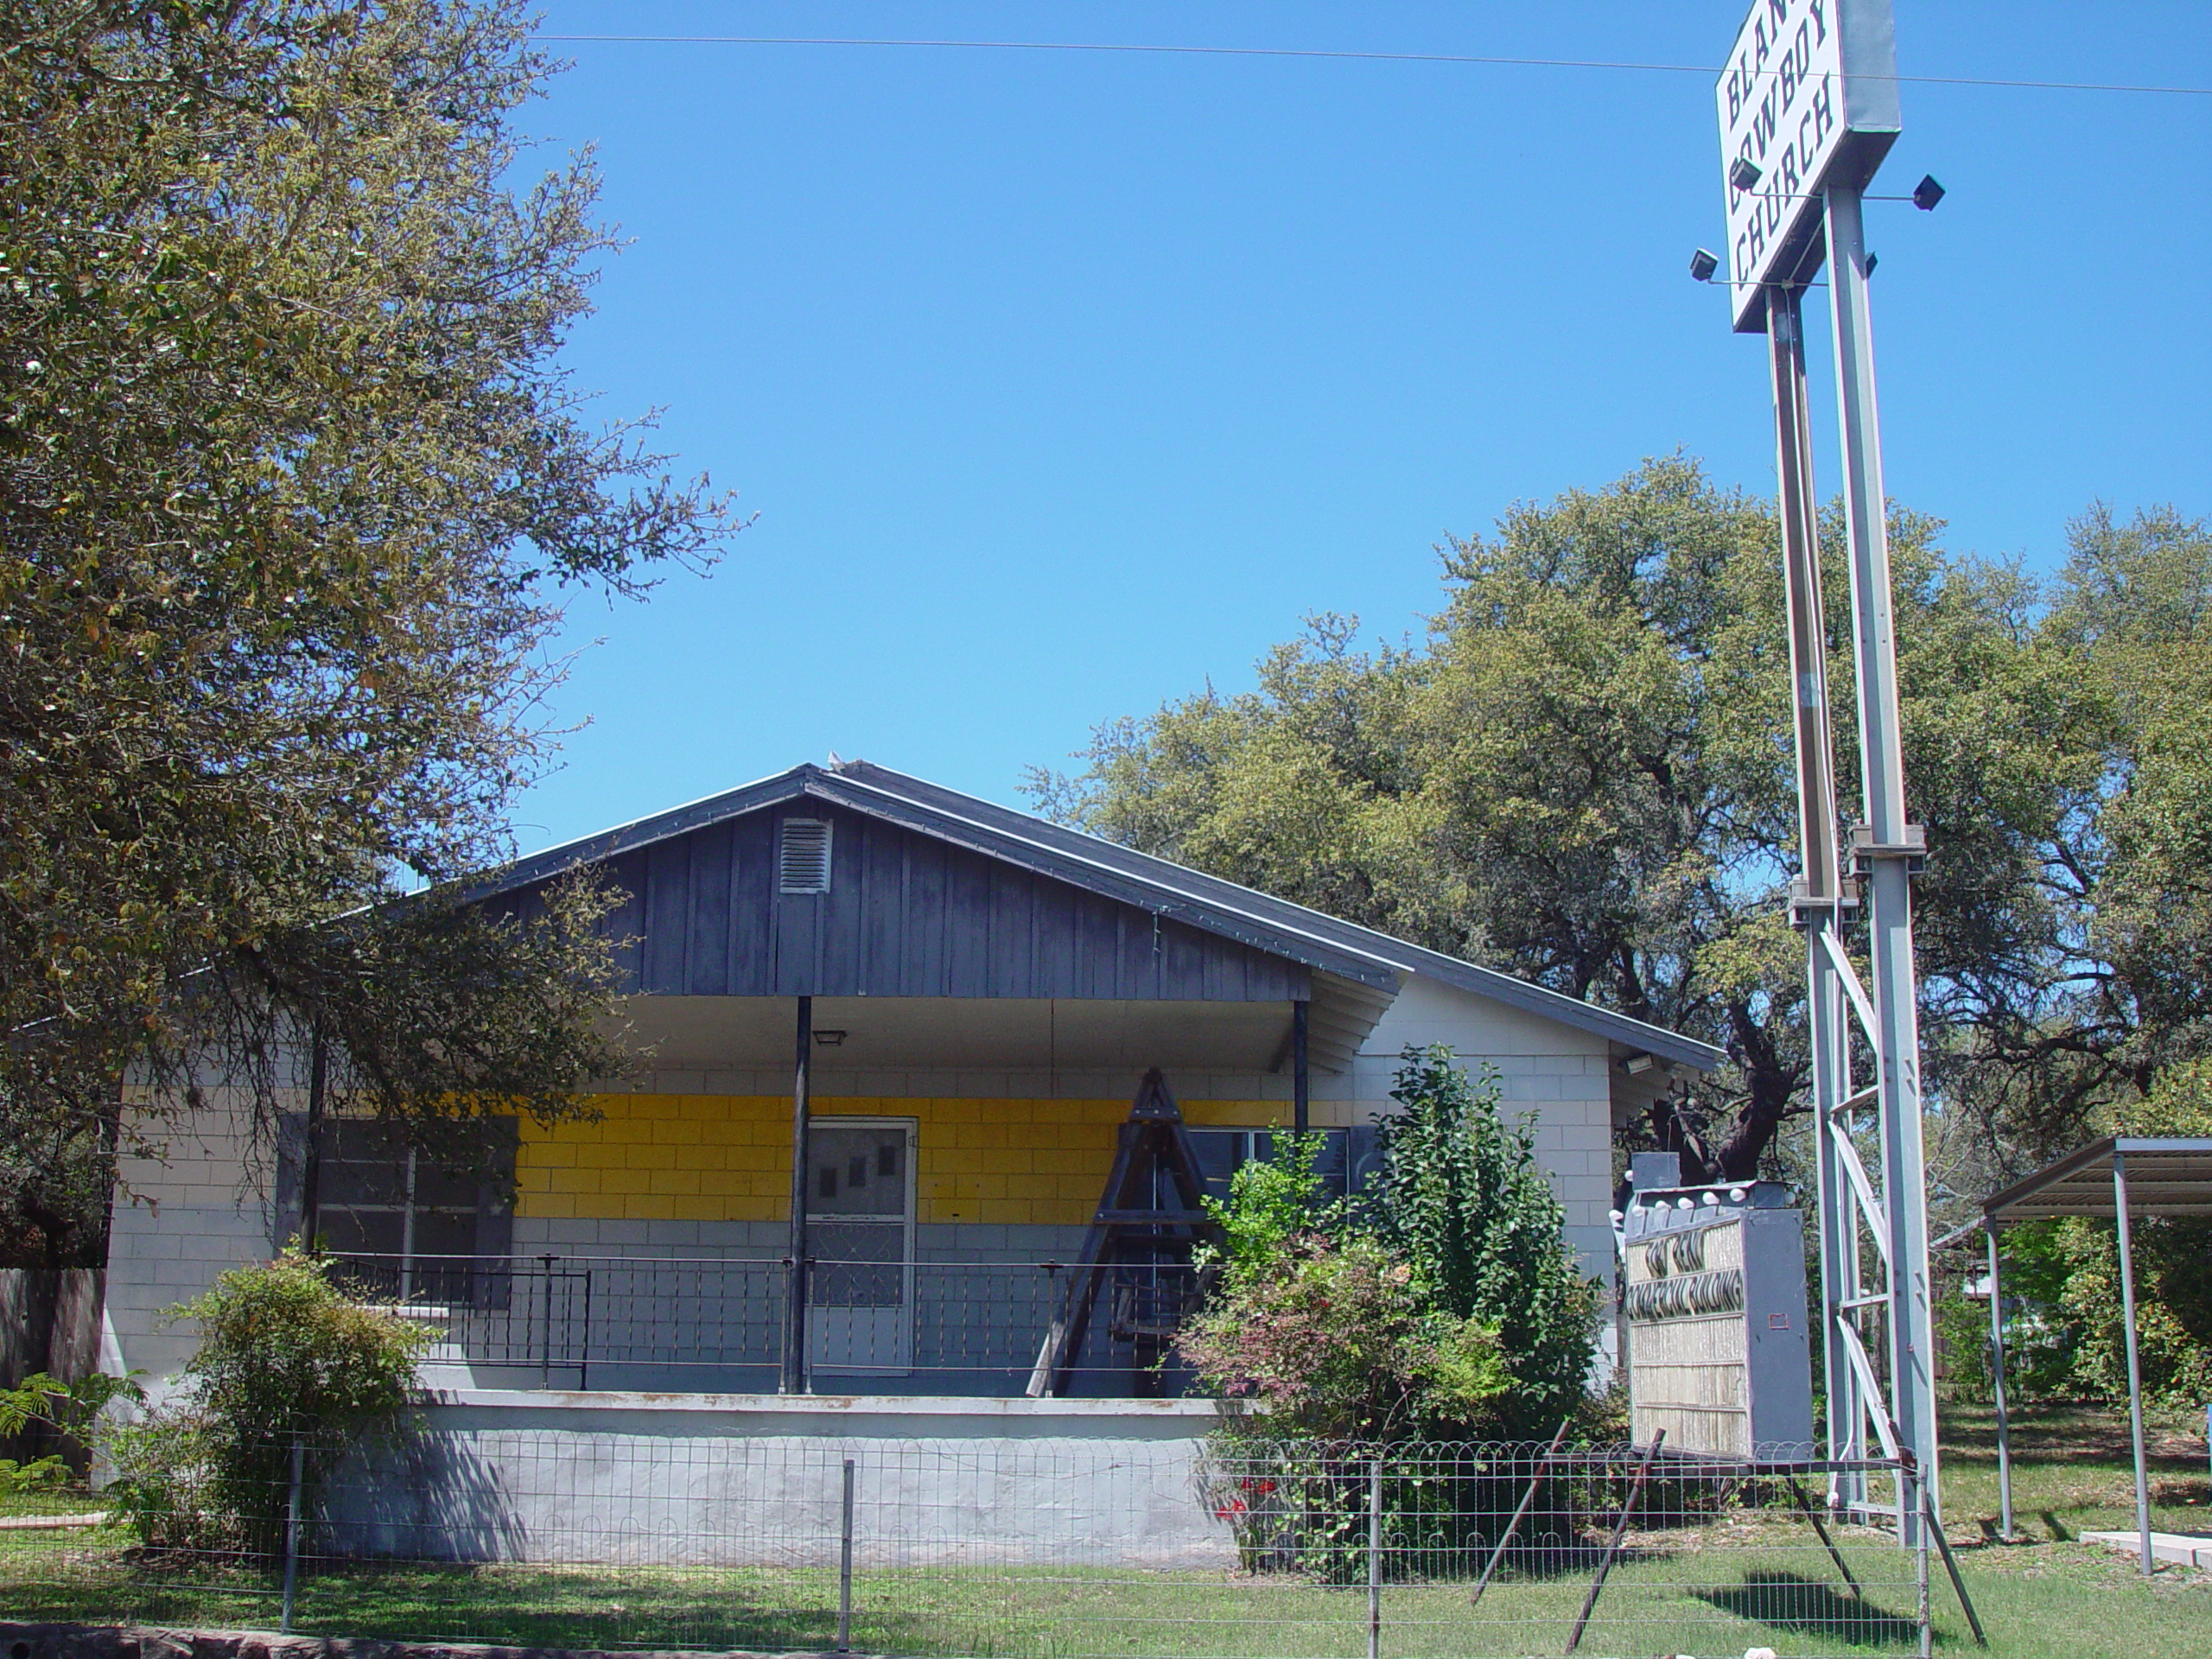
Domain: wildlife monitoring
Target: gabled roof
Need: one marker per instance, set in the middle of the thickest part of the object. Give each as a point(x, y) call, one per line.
point(1166, 889)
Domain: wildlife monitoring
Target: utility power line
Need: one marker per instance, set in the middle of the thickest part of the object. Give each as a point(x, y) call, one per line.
point(1317, 52)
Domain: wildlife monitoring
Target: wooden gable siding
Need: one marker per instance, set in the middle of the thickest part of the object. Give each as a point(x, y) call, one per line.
point(905, 915)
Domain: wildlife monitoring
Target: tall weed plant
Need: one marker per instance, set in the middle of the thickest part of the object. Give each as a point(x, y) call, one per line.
point(1460, 1201)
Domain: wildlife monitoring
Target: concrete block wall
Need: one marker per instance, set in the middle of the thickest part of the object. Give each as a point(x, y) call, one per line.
point(749, 1480)
point(180, 1219)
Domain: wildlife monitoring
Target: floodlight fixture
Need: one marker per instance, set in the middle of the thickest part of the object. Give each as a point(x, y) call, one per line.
point(1702, 265)
point(1744, 173)
point(1873, 260)
point(829, 1040)
point(1926, 193)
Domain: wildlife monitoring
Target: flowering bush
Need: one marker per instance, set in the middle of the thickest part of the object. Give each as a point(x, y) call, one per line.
point(1442, 1305)
point(1335, 1342)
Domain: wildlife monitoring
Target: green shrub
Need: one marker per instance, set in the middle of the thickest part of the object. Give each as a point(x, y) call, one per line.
point(1459, 1200)
point(2173, 1308)
point(47, 1474)
point(284, 1357)
point(1444, 1306)
point(51, 1410)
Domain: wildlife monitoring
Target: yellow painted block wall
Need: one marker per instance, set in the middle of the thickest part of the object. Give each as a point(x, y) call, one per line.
point(728, 1157)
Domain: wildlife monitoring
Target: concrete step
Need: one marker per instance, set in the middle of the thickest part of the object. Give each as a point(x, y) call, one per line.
point(2182, 1549)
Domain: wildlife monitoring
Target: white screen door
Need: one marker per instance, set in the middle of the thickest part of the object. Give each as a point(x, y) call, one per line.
point(860, 1233)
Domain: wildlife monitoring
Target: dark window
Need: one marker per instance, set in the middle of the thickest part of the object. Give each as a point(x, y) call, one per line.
point(857, 1171)
point(1344, 1165)
point(410, 1224)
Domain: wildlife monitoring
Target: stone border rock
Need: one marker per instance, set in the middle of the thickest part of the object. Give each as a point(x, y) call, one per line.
point(154, 1642)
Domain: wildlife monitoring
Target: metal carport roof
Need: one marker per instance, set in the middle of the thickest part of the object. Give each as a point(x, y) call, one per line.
point(2121, 1177)
point(2166, 1176)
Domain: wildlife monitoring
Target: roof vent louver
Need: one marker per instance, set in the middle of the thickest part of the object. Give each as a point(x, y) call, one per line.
point(803, 860)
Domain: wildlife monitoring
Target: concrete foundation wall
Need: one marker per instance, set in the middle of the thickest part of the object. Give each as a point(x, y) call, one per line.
point(736, 1480)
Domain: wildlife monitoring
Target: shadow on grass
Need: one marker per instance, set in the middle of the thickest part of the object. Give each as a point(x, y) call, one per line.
point(606, 1608)
point(1786, 1601)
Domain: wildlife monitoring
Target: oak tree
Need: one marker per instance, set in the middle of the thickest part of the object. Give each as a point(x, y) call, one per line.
point(1584, 775)
point(292, 487)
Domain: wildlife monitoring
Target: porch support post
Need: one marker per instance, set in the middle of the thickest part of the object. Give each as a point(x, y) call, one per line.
point(1997, 1383)
point(311, 1155)
point(1302, 1076)
point(794, 1377)
point(2134, 1361)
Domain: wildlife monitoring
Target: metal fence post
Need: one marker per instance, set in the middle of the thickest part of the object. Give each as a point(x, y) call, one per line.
point(1997, 1387)
point(1613, 1543)
point(292, 1536)
point(583, 1342)
point(1374, 1558)
point(1910, 1478)
point(845, 1568)
point(545, 1323)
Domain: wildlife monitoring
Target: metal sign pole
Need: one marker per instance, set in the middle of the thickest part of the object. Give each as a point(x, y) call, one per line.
point(1808, 108)
point(1887, 849)
point(1817, 898)
point(2150, 1563)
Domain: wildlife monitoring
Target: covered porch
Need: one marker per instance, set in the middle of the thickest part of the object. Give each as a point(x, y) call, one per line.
point(955, 1155)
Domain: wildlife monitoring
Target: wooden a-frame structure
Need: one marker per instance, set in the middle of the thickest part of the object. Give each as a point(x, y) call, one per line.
point(1131, 1228)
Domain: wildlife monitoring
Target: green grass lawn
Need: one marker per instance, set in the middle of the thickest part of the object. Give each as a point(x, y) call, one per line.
point(1753, 1578)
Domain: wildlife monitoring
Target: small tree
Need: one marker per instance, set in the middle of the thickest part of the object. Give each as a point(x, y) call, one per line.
point(284, 1359)
point(293, 482)
point(1459, 1200)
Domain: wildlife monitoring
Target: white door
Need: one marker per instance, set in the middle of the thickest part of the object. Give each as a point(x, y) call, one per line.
point(859, 1234)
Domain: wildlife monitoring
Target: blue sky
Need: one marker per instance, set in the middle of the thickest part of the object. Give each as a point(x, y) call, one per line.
point(1062, 382)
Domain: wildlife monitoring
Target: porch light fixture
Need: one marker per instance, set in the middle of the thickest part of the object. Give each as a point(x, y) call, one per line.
point(1744, 173)
point(828, 1039)
point(1703, 265)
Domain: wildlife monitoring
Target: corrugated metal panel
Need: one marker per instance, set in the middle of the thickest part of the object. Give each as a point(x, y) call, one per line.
point(2166, 1176)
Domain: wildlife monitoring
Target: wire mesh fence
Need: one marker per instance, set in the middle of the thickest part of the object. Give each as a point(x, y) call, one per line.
point(1056, 1547)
